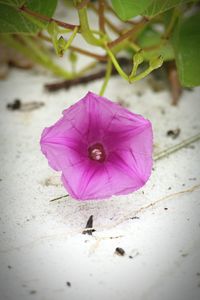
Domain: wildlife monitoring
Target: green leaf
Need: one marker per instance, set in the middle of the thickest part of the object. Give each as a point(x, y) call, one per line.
point(159, 6)
point(152, 40)
point(14, 21)
point(127, 9)
point(13, 2)
point(186, 41)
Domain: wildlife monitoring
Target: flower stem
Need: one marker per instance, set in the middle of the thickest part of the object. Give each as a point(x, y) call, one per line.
point(134, 78)
point(107, 77)
point(154, 63)
point(116, 64)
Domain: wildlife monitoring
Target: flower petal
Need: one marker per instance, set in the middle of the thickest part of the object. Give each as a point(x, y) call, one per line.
point(92, 122)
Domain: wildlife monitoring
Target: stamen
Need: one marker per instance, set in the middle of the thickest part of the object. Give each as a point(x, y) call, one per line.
point(97, 152)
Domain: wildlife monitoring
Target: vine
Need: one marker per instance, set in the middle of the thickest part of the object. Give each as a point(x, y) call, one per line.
point(156, 36)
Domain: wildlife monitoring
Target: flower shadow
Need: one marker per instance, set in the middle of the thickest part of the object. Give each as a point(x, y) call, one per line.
point(107, 214)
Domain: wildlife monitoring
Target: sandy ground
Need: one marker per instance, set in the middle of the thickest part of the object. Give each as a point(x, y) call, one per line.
point(43, 253)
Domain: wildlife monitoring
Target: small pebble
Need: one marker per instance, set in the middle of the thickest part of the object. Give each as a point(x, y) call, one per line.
point(120, 251)
point(173, 133)
point(15, 105)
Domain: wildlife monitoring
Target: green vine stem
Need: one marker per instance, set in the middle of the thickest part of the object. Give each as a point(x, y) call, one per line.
point(153, 64)
point(77, 49)
point(33, 46)
point(62, 48)
point(116, 64)
point(36, 57)
point(107, 77)
point(71, 38)
point(84, 26)
point(44, 58)
point(89, 67)
point(133, 46)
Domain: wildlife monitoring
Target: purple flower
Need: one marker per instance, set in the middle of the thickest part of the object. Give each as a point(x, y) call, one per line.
point(101, 148)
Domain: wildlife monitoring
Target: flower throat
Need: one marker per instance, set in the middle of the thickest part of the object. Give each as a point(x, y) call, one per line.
point(96, 152)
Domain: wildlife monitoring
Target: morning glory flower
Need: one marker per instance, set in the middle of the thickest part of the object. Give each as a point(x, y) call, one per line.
point(101, 148)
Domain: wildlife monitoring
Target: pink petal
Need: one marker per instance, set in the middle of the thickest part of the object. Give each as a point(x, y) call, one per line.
point(125, 137)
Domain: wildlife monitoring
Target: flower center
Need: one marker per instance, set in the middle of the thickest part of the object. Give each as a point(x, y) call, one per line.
point(97, 152)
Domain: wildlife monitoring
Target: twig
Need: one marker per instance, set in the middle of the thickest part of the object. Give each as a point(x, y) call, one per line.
point(110, 9)
point(144, 208)
point(46, 19)
point(66, 84)
point(91, 54)
point(128, 34)
point(58, 198)
point(133, 22)
point(106, 227)
point(175, 85)
point(89, 226)
point(101, 16)
point(177, 147)
point(107, 21)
